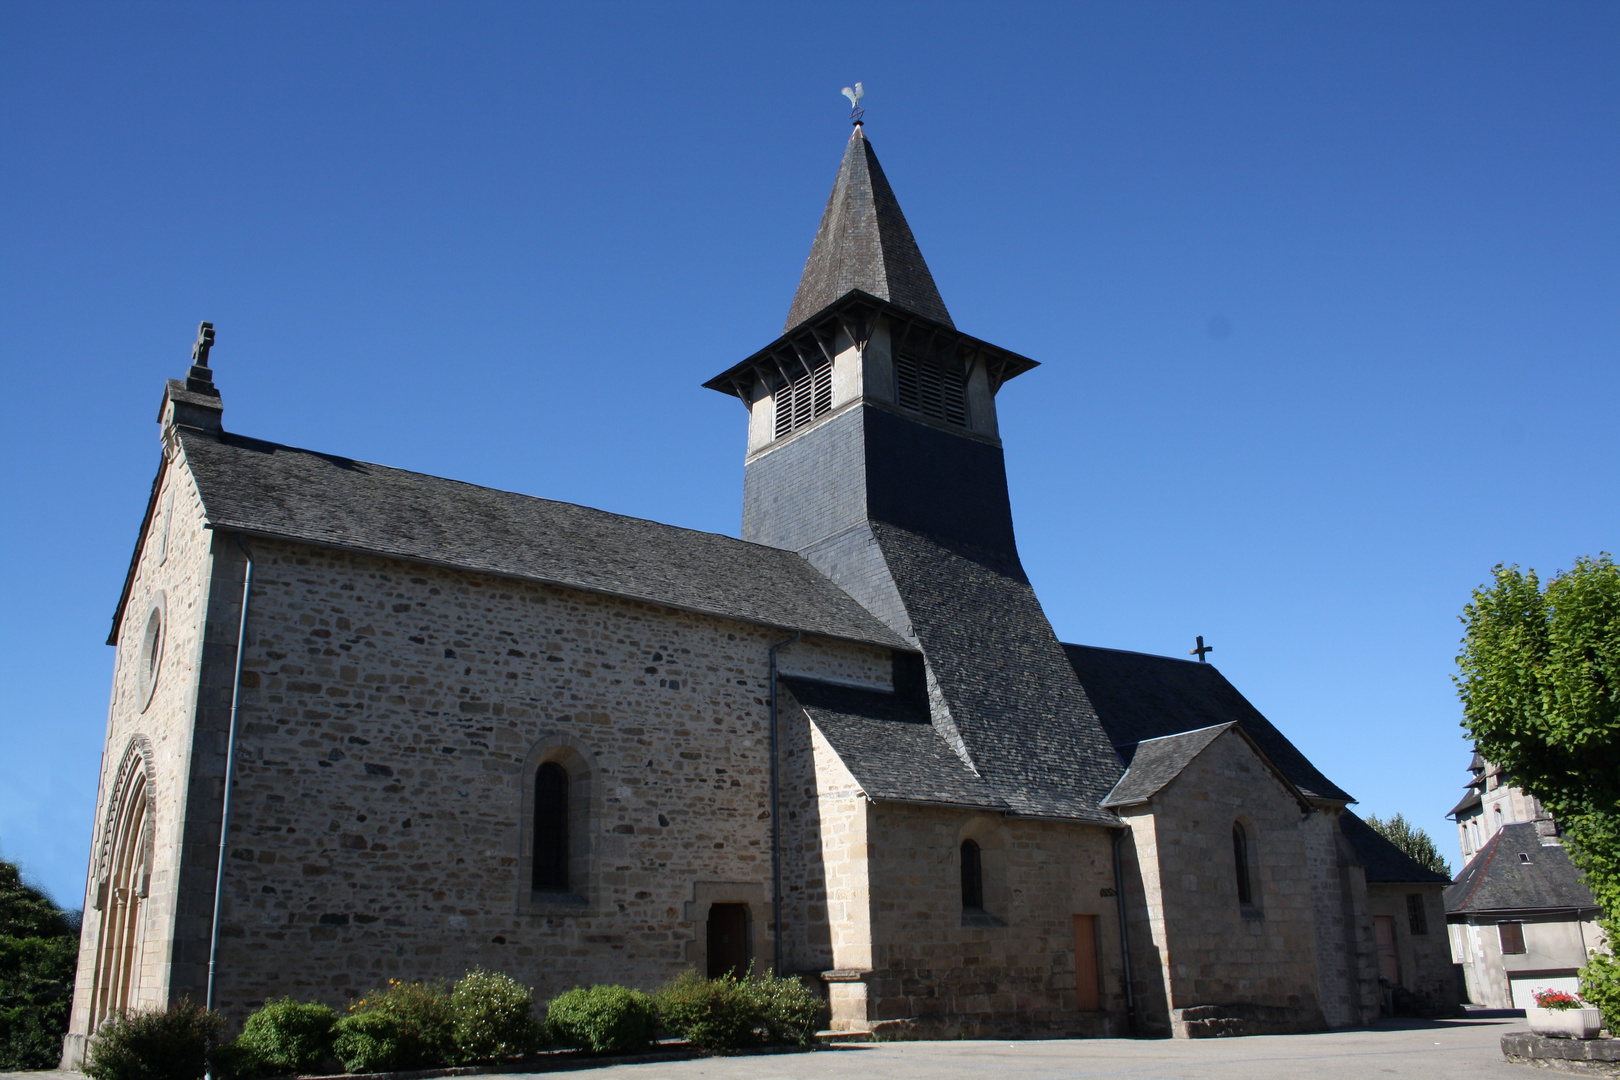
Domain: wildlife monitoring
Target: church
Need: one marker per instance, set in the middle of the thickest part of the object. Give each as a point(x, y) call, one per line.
point(371, 724)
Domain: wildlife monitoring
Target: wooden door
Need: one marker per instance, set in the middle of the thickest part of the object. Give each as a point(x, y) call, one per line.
point(1389, 961)
point(1087, 993)
point(728, 940)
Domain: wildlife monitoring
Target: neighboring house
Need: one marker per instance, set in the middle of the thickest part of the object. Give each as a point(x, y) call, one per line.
point(1408, 910)
point(1489, 803)
point(473, 727)
point(1520, 917)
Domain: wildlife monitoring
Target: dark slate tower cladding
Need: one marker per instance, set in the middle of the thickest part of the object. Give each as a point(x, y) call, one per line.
point(873, 450)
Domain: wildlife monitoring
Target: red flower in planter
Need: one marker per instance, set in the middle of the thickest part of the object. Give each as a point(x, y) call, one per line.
point(1556, 999)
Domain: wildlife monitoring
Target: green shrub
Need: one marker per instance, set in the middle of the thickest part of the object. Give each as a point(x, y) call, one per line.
point(409, 1025)
point(711, 1014)
point(494, 1017)
point(371, 1042)
point(36, 986)
point(789, 1012)
point(603, 1019)
point(732, 1014)
point(281, 1038)
point(1600, 986)
point(163, 1044)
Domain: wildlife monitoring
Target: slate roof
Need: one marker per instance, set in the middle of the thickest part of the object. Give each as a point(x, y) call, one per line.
point(1012, 696)
point(1468, 802)
point(864, 243)
point(1159, 761)
point(268, 489)
point(890, 746)
point(1498, 881)
point(1384, 862)
point(1138, 696)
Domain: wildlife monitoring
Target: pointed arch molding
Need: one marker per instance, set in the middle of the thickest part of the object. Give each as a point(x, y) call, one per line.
point(132, 781)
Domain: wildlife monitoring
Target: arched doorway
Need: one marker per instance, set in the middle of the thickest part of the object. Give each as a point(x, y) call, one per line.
point(728, 950)
point(127, 872)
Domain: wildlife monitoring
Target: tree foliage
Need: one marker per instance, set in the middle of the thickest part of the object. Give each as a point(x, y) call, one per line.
point(1539, 678)
point(39, 952)
point(1411, 839)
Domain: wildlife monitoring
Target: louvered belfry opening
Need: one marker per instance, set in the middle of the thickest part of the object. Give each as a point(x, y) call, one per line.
point(932, 388)
point(799, 402)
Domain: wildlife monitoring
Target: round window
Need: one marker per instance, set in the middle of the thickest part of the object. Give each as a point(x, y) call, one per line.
point(151, 658)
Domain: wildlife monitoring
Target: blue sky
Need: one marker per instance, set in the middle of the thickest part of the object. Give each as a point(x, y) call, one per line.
point(1326, 296)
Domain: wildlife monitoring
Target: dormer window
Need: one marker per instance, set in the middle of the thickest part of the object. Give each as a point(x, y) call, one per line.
point(931, 388)
point(799, 402)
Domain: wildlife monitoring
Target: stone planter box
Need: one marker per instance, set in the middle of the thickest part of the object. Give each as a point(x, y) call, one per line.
point(1565, 1023)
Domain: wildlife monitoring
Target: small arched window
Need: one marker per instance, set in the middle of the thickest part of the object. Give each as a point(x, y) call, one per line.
point(1240, 859)
point(551, 828)
point(972, 877)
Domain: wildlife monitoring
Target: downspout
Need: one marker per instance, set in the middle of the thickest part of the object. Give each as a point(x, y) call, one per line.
point(776, 817)
point(1124, 937)
point(230, 772)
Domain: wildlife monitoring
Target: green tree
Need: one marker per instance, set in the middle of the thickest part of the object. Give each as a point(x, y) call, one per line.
point(39, 951)
point(1539, 678)
point(1411, 839)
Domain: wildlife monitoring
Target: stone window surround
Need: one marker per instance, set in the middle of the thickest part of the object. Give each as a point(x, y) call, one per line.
point(1255, 908)
point(567, 750)
point(149, 654)
point(990, 833)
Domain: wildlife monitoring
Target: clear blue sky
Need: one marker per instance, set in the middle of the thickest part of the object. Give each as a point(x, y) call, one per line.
point(1327, 299)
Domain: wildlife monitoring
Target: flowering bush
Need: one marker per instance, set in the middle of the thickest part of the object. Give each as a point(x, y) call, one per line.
point(409, 1025)
point(1556, 999)
point(494, 1017)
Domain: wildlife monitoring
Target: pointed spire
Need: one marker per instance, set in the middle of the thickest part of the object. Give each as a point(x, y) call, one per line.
point(864, 243)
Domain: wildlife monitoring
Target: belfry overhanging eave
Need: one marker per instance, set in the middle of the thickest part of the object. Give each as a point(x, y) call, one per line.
point(811, 343)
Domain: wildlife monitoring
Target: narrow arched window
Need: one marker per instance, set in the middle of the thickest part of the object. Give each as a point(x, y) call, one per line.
point(551, 828)
point(972, 877)
point(1240, 857)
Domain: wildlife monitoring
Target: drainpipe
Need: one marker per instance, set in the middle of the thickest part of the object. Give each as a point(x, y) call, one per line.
point(230, 772)
point(776, 817)
point(1124, 937)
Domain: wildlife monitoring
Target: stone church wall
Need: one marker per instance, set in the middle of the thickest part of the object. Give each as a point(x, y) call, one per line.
point(149, 729)
point(392, 719)
point(1229, 970)
point(938, 974)
point(1424, 959)
point(1346, 960)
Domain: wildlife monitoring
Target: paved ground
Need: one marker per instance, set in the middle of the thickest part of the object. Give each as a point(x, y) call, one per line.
point(1437, 1050)
point(1420, 1050)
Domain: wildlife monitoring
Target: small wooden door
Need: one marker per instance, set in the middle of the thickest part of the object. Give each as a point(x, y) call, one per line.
point(1087, 993)
point(1389, 961)
point(728, 940)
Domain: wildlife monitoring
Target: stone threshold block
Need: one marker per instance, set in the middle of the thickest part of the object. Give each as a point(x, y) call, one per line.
point(1588, 1057)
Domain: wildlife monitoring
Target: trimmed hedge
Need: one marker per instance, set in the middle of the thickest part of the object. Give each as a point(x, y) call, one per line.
point(409, 1025)
point(281, 1038)
point(160, 1044)
point(602, 1019)
point(733, 1014)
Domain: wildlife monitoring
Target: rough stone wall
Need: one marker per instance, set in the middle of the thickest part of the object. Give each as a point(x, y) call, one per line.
point(1425, 959)
point(392, 718)
point(937, 973)
point(1144, 918)
point(172, 575)
point(1257, 965)
point(1346, 957)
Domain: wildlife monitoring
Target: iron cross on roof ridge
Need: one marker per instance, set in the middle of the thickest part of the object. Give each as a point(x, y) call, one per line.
point(1201, 650)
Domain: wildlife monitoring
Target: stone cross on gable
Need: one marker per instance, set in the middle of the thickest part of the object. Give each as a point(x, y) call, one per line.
point(1201, 650)
point(205, 341)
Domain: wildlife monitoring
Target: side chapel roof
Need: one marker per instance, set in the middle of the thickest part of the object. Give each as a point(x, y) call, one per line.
point(889, 746)
point(1515, 871)
point(1139, 697)
point(1156, 762)
point(864, 243)
point(1382, 860)
point(268, 489)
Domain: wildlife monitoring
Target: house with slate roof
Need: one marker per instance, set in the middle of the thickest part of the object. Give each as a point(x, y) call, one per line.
point(1519, 915)
point(371, 724)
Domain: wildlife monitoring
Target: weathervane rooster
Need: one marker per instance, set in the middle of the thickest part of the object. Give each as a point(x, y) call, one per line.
point(855, 93)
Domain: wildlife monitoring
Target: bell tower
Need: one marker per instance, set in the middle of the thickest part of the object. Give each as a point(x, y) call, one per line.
point(874, 452)
point(872, 405)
